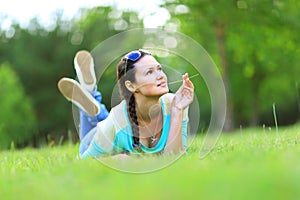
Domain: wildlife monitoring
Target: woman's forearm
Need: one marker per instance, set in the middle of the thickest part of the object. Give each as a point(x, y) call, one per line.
point(182, 99)
point(174, 143)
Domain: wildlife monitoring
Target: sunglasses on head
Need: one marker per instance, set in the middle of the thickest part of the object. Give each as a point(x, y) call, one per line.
point(134, 56)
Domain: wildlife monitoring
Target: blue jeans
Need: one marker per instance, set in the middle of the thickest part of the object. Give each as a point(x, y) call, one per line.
point(87, 123)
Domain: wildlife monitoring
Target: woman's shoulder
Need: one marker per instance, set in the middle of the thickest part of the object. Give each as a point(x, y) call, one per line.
point(118, 115)
point(114, 122)
point(119, 107)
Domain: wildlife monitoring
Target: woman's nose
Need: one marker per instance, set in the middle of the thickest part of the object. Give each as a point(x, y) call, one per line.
point(160, 75)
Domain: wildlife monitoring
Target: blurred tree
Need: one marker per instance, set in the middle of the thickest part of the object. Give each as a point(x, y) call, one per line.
point(207, 21)
point(42, 55)
point(251, 41)
point(17, 119)
point(264, 62)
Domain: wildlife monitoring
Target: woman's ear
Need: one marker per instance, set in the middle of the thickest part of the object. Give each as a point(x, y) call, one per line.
point(130, 86)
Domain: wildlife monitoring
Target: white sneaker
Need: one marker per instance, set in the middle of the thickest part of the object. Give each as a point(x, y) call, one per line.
point(84, 66)
point(75, 93)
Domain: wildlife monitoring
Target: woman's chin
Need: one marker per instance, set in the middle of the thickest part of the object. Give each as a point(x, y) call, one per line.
point(156, 93)
point(165, 91)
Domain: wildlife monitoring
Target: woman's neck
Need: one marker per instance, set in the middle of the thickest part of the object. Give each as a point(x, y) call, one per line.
point(147, 108)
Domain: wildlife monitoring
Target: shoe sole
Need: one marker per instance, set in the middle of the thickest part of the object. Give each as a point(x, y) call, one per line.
point(73, 92)
point(84, 61)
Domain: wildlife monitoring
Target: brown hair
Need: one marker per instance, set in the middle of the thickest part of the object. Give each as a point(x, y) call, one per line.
point(126, 71)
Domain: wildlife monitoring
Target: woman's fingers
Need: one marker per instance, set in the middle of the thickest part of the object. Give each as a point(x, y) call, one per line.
point(185, 76)
point(188, 88)
point(187, 81)
point(189, 84)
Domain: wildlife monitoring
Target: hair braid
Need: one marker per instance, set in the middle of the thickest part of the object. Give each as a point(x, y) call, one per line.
point(133, 121)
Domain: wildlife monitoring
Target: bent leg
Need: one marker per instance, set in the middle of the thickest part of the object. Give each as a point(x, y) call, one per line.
point(103, 111)
point(88, 122)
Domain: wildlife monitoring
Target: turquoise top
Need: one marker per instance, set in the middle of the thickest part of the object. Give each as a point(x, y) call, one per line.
point(114, 134)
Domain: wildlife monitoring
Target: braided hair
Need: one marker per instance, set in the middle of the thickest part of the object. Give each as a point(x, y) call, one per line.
point(126, 71)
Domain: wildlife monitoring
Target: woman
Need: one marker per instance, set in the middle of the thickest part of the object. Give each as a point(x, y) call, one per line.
point(148, 119)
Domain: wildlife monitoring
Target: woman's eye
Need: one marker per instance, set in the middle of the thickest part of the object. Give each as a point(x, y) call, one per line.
point(149, 72)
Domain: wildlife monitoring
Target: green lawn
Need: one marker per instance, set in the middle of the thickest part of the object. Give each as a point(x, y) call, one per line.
point(247, 164)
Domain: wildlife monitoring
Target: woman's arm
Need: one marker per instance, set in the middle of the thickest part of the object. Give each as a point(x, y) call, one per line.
point(182, 99)
point(174, 142)
point(102, 142)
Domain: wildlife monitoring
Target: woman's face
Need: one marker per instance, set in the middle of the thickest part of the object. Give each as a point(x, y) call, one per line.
point(150, 80)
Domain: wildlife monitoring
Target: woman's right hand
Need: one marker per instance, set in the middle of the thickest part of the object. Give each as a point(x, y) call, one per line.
point(185, 94)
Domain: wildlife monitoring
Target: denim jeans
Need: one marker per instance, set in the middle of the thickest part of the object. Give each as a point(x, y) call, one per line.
point(88, 123)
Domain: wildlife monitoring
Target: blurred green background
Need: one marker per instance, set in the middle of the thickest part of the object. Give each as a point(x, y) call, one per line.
point(253, 43)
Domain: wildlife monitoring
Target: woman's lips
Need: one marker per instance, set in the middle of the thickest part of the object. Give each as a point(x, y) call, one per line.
point(162, 84)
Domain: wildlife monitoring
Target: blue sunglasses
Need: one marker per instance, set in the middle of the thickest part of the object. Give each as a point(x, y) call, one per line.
point(135, 56)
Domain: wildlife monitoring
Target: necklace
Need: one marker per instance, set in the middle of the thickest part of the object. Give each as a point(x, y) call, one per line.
point(153, 138)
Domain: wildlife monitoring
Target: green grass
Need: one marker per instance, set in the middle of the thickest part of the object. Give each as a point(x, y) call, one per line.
point(247, 164)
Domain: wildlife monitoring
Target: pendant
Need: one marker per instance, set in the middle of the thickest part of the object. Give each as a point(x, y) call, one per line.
point(153, 139)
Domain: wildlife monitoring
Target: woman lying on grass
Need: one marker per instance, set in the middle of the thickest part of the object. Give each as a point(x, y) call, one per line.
point(148, 120)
